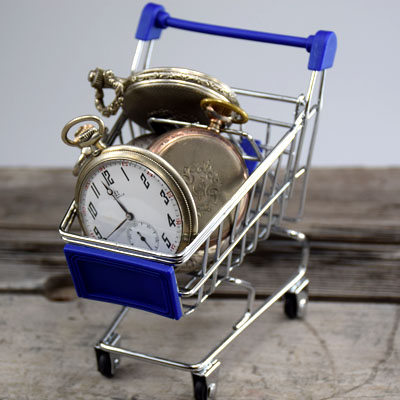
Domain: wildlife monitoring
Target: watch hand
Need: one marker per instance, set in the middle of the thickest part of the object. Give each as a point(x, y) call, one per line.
point(110, 192)
point(119, 226)
point(143, 239)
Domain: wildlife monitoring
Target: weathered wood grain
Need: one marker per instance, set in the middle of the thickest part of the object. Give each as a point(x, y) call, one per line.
point(346, 272)
point(353, 204)
point(340, 351)
point(342, 203)
point(352, 220)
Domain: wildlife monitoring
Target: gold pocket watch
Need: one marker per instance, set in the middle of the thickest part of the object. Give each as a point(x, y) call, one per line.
point(130, 195)
point(163, 92)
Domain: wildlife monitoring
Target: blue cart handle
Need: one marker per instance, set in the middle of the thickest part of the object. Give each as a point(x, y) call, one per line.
point(321, 46)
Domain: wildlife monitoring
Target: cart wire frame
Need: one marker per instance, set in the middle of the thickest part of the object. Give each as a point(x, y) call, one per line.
point(267, 192)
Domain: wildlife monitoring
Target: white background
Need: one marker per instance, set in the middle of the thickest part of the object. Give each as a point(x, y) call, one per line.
point(48, 47)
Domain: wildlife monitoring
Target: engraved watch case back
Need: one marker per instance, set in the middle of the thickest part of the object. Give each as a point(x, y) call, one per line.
point(210, 165)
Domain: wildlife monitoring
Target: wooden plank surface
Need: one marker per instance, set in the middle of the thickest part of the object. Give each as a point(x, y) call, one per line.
point(340, 202)
point(340, 351)
point(352, 220)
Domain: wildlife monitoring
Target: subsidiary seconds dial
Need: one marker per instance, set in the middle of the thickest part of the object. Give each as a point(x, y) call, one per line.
point(144, 233)
point(131, 196)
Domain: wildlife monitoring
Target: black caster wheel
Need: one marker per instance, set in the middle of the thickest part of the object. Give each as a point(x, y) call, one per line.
point(203, 390)
point(295, 305)
point(290, 305)
point(105, 364)
point(200, 391)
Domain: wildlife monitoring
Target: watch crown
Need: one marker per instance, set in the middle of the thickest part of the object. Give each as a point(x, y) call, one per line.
point(96, 78)
point(85, 133)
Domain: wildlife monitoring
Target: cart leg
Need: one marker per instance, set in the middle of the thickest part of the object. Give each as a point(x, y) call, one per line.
point(251, 295)
point(205, 382)
point(108, 362)
point(296, 300)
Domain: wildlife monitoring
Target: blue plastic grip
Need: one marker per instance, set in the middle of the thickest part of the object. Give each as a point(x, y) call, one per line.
point(121, 279)
point(148, 27)
point(321, 46)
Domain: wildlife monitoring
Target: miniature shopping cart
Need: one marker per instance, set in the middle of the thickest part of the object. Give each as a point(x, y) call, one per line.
point(276, 163)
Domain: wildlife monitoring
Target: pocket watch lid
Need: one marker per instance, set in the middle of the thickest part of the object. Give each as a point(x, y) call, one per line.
point(171, 93)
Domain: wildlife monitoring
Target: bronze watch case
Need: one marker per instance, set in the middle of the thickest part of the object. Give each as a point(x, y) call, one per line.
point(210, 164)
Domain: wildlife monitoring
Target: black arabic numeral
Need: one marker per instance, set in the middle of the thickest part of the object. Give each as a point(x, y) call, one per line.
point(164, 196)
point(107, 177)
point(146, 183)
point(126, 176)
point(97, 232)
point(171, 221)
point(92, 210)
point(95, 190)
point(166, 240)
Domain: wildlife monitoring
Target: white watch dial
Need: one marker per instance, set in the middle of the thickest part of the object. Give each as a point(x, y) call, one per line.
point(125, 202)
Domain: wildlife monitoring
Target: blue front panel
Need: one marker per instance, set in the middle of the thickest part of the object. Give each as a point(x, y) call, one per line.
point(130, 281)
